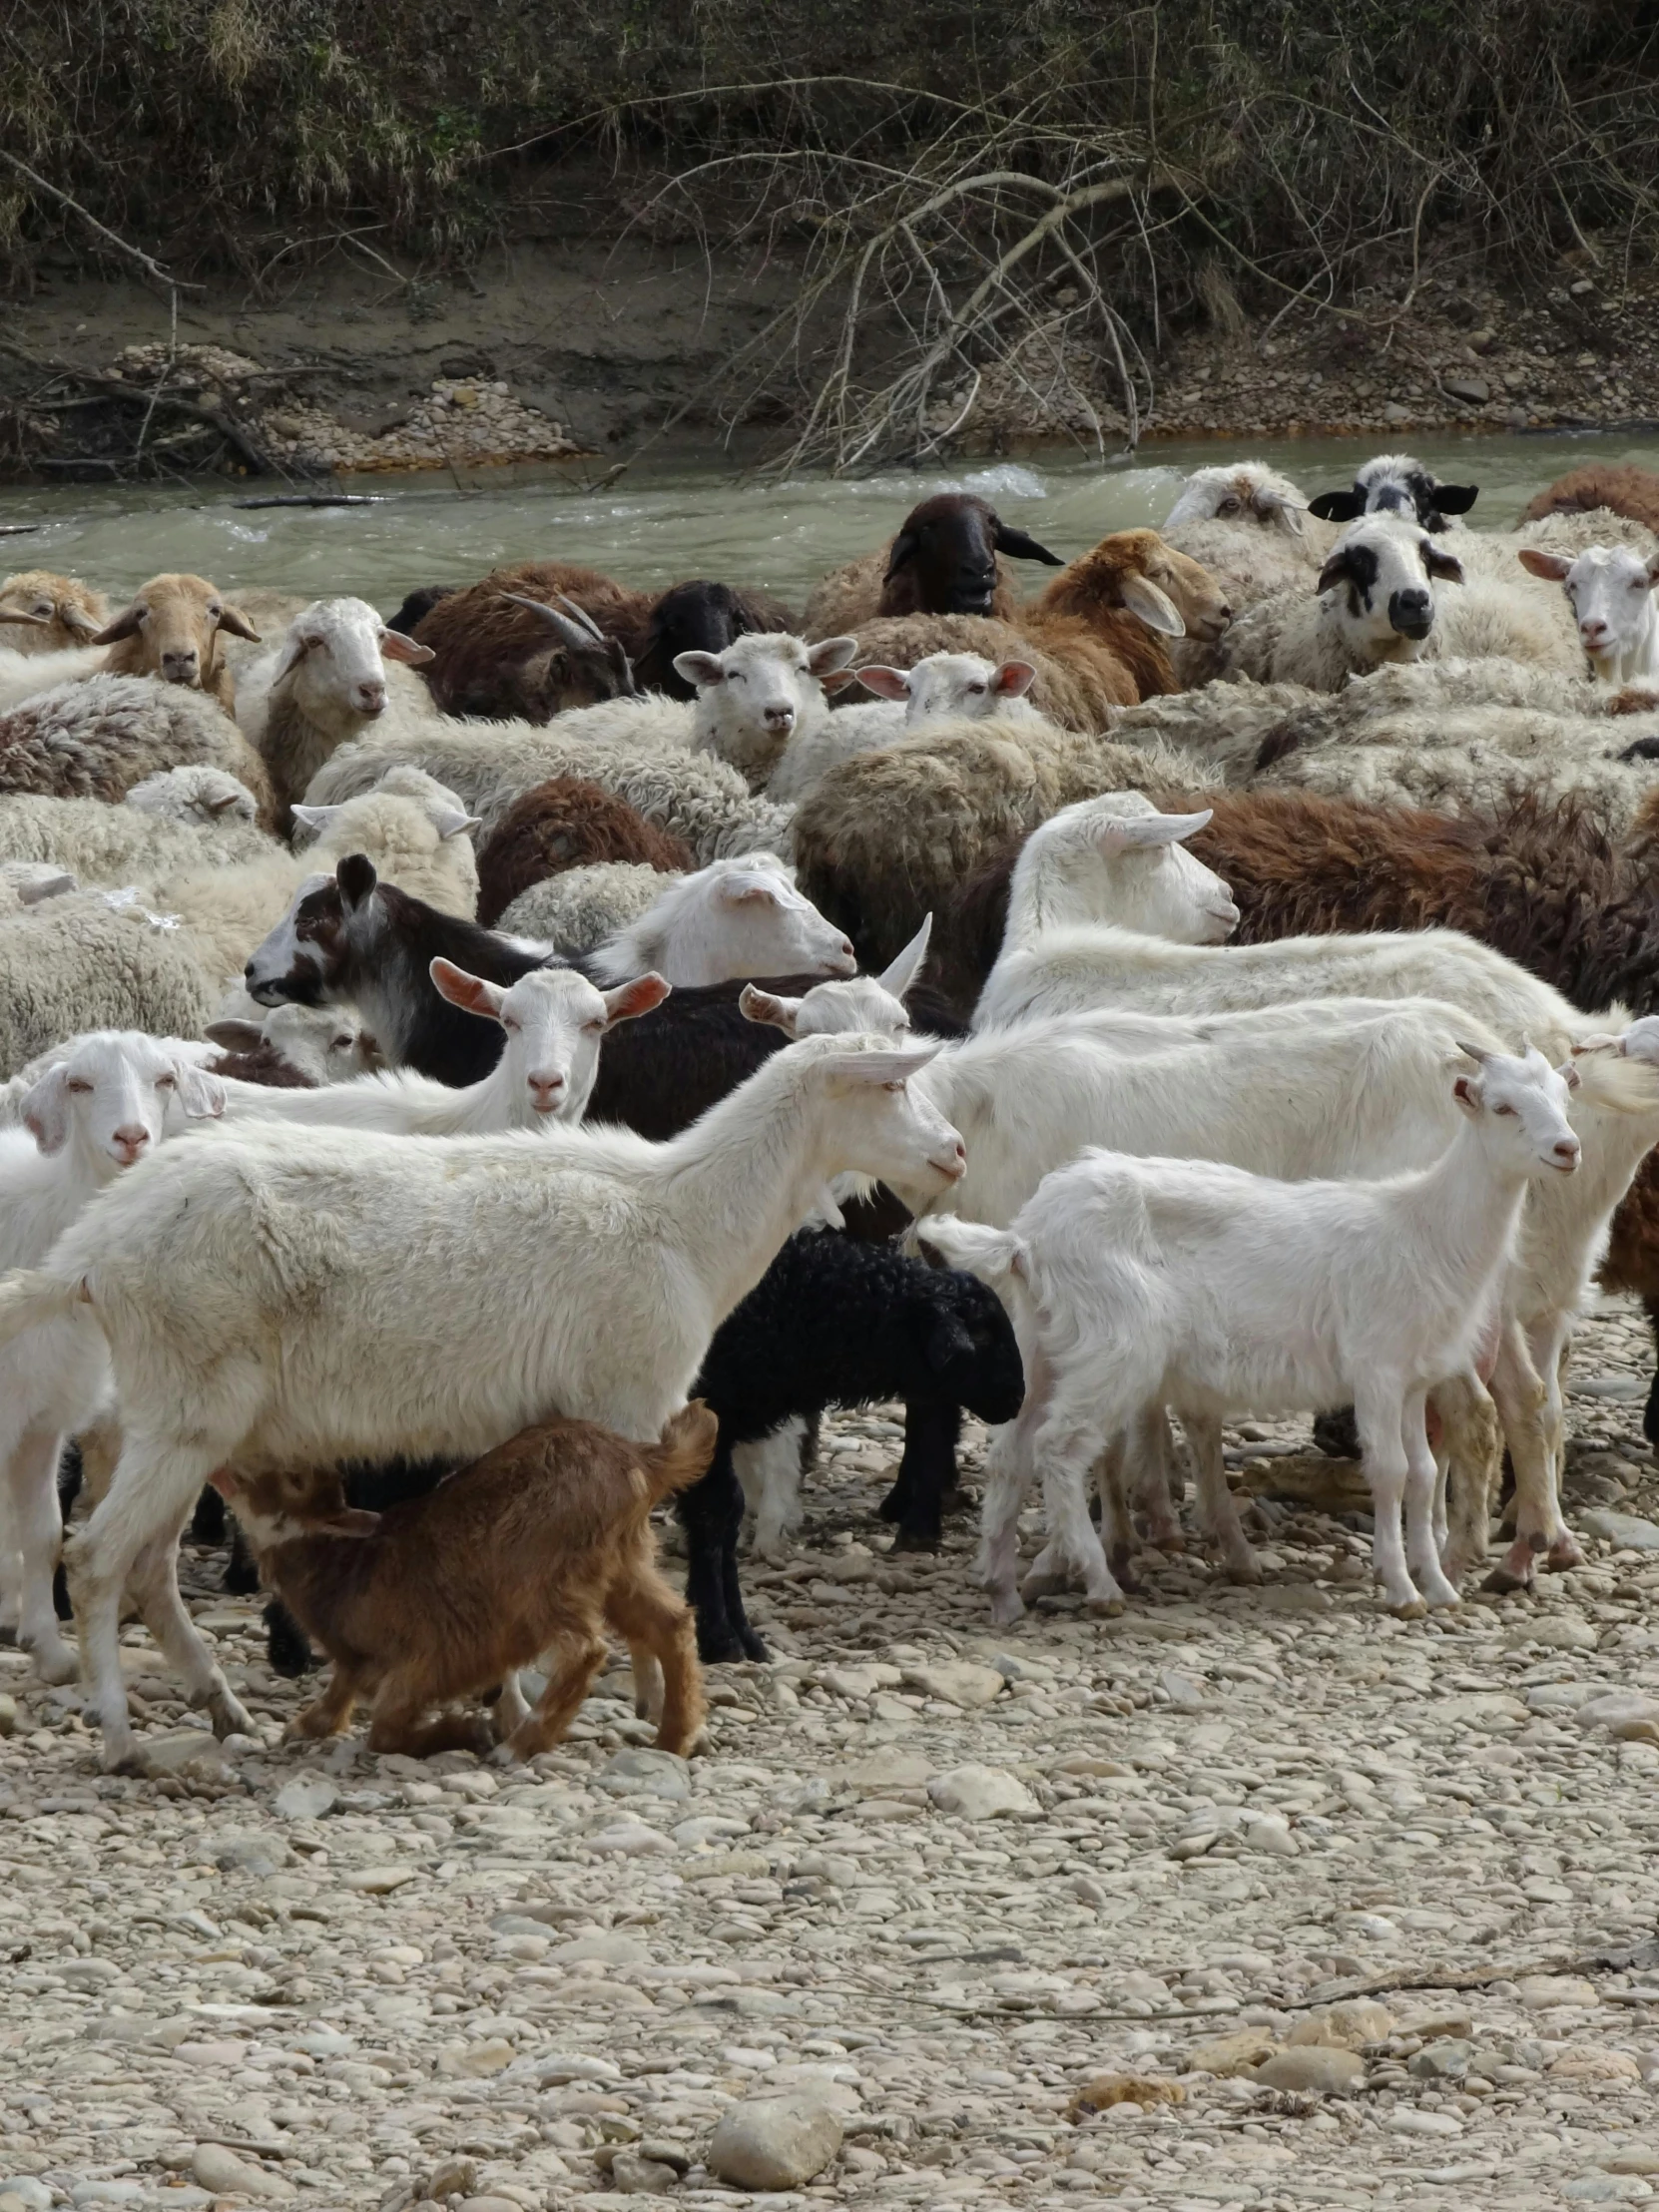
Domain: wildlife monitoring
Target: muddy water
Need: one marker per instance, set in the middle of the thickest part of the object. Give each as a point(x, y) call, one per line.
point(655, 526)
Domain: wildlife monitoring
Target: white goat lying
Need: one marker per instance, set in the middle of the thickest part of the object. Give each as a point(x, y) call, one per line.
point(1610, 591)
point(733, 918)
point(274, 1297)
point(106, 1103)
point(1140, 1280)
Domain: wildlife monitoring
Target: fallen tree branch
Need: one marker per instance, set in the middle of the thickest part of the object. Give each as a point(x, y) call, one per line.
point(110, 238)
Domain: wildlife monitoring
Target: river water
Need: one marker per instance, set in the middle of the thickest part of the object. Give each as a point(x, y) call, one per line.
point(654, 526)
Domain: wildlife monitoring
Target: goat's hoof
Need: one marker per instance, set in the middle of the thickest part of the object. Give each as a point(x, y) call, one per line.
point(123, 1755)
point(500, 1755)
point(1415, 1609)
point(755, 1647)
point(890, 1506)
point(1247, 1569)
point(1006, 1610)
point(917, 1539)
point(228, 1717)
point(1104, 1608)
point(1564, 1554)
point(720, 1651)
point(54, 1663)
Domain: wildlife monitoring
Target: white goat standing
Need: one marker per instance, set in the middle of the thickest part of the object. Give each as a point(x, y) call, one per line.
point(1133, 1281)
point(107, 1103)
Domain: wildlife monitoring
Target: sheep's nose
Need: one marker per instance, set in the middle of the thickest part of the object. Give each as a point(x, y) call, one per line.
point(181, 668)
point(547, 1091)
point(371, 698)
point(780, 718)
point(1225, 616)
point(1412, 611)
point(130, 1141)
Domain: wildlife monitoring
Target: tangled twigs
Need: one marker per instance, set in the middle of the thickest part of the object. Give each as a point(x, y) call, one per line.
point(110, 238)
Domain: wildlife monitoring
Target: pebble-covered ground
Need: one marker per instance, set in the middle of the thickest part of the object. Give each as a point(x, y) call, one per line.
point(928, 1886)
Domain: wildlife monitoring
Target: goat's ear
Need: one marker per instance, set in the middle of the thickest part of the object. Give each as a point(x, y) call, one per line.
point(124, 625)
point(350, 1520)
point(877, 1070)
point(1013, 679)
point(233, 1036)
point(1570, 1075)
point(450, 821)
point(1552, 567)
point(357, 878)
point(1466, 1091)
point(747, 894)
point(45, 1110)
point(777, 1013)
point(701, 669)
point(1446, 566)
point(202, 1095)
point(1338, 507)
point(1154, 607)
point(394, 646)
point(832, 652)
point(1456, 499)
point(468, 991)
point(1144, 833)
point(901, 553)
point(629, 1000)
point(897, 979)
point(315, 818)
point(948, 1340)
point(1020, 545)
point(234, 620)
point(885, 683)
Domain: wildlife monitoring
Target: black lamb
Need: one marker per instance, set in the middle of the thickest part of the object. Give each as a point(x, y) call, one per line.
point(835, 1323)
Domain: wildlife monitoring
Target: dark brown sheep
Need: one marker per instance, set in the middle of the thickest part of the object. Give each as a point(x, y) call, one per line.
point(566, 823)
point(1619, 485)
point(495, 657)
point(949, 557)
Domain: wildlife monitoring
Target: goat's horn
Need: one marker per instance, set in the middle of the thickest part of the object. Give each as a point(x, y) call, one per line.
point(1475, 1052)
point(581, 615)
point(580, 635)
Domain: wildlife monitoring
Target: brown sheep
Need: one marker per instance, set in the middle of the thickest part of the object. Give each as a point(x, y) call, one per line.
point(950, 557)
point(1618, 485)
point(493, 656)
point(563, 823)
point(537, 1547)
point(1096, 636)
point(170, 629)
point(44, 613)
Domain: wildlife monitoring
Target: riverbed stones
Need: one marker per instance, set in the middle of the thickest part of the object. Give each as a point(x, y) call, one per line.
point(1315, 2067)
point(775, 2142)
point(978, 1793)
point(1345, 2026)
point(226, 2174)
point(1236, 2054)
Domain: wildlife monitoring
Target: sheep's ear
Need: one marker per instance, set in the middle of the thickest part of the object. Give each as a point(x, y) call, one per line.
point(394, 646)
point(202, 1095)
point(450, 821)
point(356, 880)
point(1338, 507)
point(1020, 545)
point(1446, 566)
point(1455, 499)
point(233, 1036)
point(901, 553)
point(885, 683)
point(234, 620)
point(831, 654)
point(468, 991)
point(18, 614)
point(45, 1110)
point(218, 807)
point(294, 649)
point(777, 1013)
point(701, 669)
point(1153, 607)
point(948, 1341)
point(629, 1000)
point(897, 978)
point(78, 620)
point(1571, 1076)
point(350, 1520)
point(838, 679)
point(316, 819)
point(124, 625)
point(1013, 679)
point(1552, 567)
point(1336, 571)
point(1288, 512)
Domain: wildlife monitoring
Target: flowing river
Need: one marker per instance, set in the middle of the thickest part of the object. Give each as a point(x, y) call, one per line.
point(655, 525)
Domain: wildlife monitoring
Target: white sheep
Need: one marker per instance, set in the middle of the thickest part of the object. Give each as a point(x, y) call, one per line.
point(555, 1022)
point(757, 694)
point(577, 909)
point(195, 794)
point(1610, 591)
point(98, 737)
point(1249, 527)
point(112, 846)
point(22, 675)
point(733, 918)
point(1399, 484)
point(1133, 1278)
point(99, 957)
point(324, 684)
point(308, 1276)
point(108, 1102)
point(942, 686)
point(1373, 601)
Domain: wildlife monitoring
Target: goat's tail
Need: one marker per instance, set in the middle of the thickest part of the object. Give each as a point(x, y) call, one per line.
point(30, 1297)
point(683, 1453)
point(995, 1255)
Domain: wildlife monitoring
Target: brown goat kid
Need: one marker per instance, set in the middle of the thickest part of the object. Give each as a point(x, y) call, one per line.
point(170, 629)
point(46, 613)
point(533, 1550)
point(562, 824)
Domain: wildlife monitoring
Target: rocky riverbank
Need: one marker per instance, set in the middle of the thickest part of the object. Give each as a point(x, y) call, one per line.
point(1251, 1899)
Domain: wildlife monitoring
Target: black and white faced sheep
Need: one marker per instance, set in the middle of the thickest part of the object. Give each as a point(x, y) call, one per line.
point(1396, 484)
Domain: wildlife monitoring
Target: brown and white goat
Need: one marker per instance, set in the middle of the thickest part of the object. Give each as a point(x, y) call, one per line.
point(534, 1550)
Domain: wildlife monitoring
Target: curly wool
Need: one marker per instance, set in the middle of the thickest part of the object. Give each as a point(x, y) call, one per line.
point(97, 738)
point(107, 845)
point(567, 822)
point(577, 909)
point(76, 963)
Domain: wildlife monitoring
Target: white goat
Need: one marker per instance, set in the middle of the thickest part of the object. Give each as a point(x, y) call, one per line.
point(873, 1004)
point(963, 686)
point(108, 1102)
point(273, 1298)
point(555, 1022)
point(733, 918)
point(1610, 591)
point(322, 1043)
point(1132, 1280)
